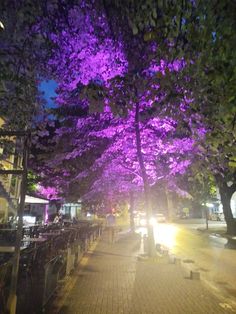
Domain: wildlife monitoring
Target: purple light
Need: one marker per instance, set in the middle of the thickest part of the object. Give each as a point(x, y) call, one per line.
point(81, 60)
point(50, 193)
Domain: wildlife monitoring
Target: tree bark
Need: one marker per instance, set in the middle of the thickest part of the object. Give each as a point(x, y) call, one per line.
point(169, 202)
point(226, 193)
point(131, 209)
point(151, 241)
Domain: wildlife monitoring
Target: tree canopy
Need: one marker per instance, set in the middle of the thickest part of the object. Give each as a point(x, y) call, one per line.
point(154, 82)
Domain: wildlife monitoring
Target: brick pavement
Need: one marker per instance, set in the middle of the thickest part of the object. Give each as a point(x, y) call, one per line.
point(113, 281)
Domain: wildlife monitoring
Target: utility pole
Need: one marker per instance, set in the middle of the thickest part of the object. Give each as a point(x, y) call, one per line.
point(12, 301)
point(207, 216)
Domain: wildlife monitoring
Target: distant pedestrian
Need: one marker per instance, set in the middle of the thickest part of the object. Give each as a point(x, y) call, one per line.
point(186, 212)
point(56, 219)
point(111, 225)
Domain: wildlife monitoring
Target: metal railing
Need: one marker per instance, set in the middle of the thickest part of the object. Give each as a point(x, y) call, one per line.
point(51, 254)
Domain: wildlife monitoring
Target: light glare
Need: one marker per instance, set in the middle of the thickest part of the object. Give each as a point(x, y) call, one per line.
point(1, 25)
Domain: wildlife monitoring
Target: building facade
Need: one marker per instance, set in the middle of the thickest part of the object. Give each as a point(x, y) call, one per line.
point(9, 183)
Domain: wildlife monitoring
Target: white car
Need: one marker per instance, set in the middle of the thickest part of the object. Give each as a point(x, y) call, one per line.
point(160, 217)
point(141, 221)
point(217, 217)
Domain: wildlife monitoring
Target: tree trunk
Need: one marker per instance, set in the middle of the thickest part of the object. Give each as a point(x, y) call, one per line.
point(147, 194)
point(131, 209)
point(226, 193)
point(170, 207)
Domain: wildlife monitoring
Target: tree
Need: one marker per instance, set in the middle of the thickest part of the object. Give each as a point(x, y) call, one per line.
point(216, 83)
point(19, 98)
point(203, 33)
point(164, 145)
point(137, 96)
point(92, 44)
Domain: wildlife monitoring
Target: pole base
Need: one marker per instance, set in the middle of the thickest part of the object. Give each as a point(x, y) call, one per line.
point(11, 304)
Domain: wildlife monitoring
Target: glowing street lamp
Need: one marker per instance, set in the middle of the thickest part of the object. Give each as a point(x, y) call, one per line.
point(1, 25)
point(209, 205)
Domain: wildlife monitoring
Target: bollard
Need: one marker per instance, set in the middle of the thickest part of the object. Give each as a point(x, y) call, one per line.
point(194, 275)
point(145, 244)
point(171, 259)
point(70, 261)
point(165, 252)
point(177, 261)
point(158, 247)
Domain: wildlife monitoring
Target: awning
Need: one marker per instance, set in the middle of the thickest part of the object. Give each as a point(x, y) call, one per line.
point(35, 200)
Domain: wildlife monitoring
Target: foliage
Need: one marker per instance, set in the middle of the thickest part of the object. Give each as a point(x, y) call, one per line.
point(203, 33)
point(157, 73)
point(102, 146)
point(19, 100)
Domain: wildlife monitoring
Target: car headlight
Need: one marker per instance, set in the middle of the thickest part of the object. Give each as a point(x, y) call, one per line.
point(152, 221)
point(143, 222)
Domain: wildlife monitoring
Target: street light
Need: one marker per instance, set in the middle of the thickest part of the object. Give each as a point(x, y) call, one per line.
point(209, 205)
point(1, 25)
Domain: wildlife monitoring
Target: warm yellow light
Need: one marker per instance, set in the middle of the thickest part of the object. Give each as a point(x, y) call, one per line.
point(143, 222)
point(165, 234)
point(152, 221)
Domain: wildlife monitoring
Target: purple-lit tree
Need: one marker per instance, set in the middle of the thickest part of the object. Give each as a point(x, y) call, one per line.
point(149, 132)
point(202, 32)
point(88, 43)
point(164, 146)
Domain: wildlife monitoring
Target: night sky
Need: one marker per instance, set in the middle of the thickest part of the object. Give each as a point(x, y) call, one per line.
point(48, 88)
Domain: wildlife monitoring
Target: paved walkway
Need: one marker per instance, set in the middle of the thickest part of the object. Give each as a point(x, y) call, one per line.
point(112, 281)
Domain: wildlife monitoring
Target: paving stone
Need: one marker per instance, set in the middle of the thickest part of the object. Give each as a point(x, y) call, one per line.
point(115, 282)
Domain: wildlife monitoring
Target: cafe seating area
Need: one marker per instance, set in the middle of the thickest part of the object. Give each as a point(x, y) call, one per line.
point(49, 254)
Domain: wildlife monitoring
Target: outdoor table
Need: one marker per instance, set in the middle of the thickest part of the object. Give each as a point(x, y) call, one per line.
point(9, 249)
point(66, 231)
point(8, 229)
point(15, 229)
point(36, 240)
point(48, 234)
point(73, 230)
point(54, 233)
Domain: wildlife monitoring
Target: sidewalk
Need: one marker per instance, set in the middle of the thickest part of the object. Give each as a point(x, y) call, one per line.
point(111, 280)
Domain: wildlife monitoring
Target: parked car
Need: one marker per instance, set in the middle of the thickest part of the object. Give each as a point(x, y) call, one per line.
point(141, 219)
point(160, 217)
point(217, 216)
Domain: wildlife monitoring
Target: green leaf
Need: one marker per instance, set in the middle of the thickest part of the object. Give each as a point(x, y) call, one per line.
point(232, 164)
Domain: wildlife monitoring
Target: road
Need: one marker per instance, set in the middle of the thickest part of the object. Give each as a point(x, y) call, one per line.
point(201, 251)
